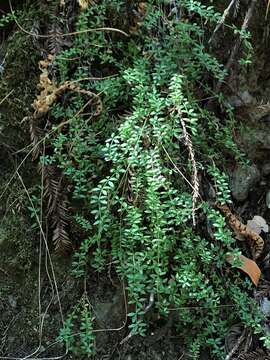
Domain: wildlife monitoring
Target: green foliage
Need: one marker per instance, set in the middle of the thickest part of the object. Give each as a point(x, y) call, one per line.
point(130, 171)
point(248, 51)
point(16, 235)
point(221, 182)
point(77, 332)
point(6, 19)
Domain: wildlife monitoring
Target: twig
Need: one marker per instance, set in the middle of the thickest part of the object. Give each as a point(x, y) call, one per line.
point(236, 346)
point(4, 271)
point(7, 96)
point(150, 304)
point(103, 29)
point(238, 42)
point(195, 181)
point(267, 9)
point(146, 309)
point(222, 20)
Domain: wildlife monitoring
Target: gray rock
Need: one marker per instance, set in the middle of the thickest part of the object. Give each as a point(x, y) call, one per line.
point(242, 99)
point(242, 180)
point(254, 141)
point(266, 169)
point(110, 311)
point(12, 301)
point(267, 199)
point(265, 306)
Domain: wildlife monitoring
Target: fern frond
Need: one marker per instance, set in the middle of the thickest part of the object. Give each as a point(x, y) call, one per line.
point(36, 133)
point(255, 355)
point(55, 42)
point(57, 207)
point(52, 186)
point(61, 239)
point(236, 8)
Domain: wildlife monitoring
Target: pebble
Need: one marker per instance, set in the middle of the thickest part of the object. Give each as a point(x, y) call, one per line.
point(266, 169)
point(242, 180)
point(267, 199)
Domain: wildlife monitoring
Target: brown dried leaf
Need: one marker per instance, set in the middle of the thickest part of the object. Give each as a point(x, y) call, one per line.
point(259, 354)
point(248, 266)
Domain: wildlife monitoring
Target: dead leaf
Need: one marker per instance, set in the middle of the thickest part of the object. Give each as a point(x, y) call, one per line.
point(258, 224)
point(248, 266)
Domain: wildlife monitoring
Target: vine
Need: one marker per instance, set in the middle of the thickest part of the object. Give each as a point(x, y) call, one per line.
point(134, 167)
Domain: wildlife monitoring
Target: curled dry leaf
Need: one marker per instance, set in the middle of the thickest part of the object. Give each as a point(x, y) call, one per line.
point(248, 266)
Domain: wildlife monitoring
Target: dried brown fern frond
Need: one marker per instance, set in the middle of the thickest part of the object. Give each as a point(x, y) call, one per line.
point(257, 242)
point(236, 8)
point(57, 207)
point(52, 186)
point(55, 41)
point(57, 202)
point(61, 239)
point(85, 3)
point(50, 92)
point(255, 355)
point(138, 17)
point(36, 134)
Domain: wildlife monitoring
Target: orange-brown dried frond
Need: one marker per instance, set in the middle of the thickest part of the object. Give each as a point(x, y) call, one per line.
point(138, 19)
point(257, 243)
point(57, 202)
point(48, 90)
point(85, 3)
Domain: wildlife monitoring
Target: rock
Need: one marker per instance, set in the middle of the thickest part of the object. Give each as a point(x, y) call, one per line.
point(242, 180)
point(258, 224)
point(244, 98)
point(265, 306)
point(266, 169)
point(267, 199)
point(12, 301)
point(110, 312)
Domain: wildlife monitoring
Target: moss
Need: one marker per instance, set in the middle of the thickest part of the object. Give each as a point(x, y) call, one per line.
point(16, 244)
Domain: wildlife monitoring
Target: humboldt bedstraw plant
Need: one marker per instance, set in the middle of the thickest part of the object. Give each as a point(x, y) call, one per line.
point(134, 169)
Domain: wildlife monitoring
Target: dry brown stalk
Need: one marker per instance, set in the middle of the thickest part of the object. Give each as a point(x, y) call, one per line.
point(195, 180)
point(257, 243)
